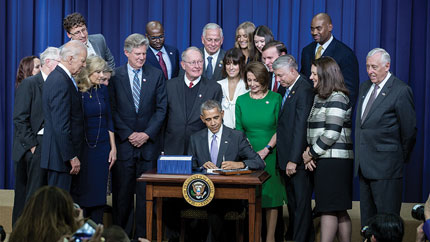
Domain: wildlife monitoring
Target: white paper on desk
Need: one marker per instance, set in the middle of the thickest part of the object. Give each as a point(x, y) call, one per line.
point(212, 171)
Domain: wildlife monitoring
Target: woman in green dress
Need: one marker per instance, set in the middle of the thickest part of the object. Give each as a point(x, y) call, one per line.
point(257, 116)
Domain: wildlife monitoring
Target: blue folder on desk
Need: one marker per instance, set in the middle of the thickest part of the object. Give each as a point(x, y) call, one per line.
point(174, 164)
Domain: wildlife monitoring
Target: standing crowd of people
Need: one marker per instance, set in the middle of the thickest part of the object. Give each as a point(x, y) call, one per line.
point(78, 118)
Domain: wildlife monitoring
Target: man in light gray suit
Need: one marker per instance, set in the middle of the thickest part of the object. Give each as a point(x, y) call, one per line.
point(385, 131)
point(212, 39)
point(76, 28)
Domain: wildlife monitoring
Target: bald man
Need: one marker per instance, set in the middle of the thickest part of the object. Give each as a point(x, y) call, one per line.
point(169, 63)
point(62, 111)
point(326, 45)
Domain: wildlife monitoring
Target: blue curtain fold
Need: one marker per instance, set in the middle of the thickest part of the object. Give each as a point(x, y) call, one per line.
point(401, 27)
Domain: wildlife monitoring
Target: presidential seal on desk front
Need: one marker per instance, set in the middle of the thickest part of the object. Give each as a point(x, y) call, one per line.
point(198, 190)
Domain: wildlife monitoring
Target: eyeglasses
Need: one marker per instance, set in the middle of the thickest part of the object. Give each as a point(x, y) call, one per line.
point(194, 63)
point(156, 37)
point(80, 32)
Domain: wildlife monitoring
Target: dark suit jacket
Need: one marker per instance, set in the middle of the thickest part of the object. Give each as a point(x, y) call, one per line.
point(62, 111)
point(234, 146)
point(292, 124)
point(217, 75)
point(100, 47)
point(179, 128)
point(27, 115)
point(344, 57)
point(384, 140)
point(173, 56)
point(149, 119)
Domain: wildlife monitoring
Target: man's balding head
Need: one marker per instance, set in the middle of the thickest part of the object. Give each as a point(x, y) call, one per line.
point(321, 28)
point(155, 34)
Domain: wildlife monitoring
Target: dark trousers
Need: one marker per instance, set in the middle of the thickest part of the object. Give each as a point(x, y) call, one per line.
point(95, 213)
point(28, 178)
point(60, 179)
point(299, 193)
point(379, 196)
point(124, 186)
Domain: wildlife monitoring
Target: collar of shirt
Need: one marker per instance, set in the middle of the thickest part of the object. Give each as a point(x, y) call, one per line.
point(69, 74)
point(44, 76)
point(218, 137)
point(214, 58)
point(325, 45)
point(163, 50)
point(291, 87)
point(187, 81)
point(90, 49)
point(382, 84)
point(131, 74)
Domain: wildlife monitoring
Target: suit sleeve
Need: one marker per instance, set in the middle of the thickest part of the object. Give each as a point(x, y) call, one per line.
point(157, 119)
point(59, 97)
point(249, 156)
point(218, 93)
point(304, 105)
point(349, 68)
point(121, 129)
point(109, 120)
point(192, 152)
point(108, 55)
point(405, 112)
point(176, 67)
point(21, 116)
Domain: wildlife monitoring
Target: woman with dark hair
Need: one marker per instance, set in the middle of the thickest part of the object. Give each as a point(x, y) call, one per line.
point(330, 154)
point(257, 116)
point(99, 150)
point(49, 215)
point(262, 36)
point(232, 85)
point(244, 40)
point(28, 66)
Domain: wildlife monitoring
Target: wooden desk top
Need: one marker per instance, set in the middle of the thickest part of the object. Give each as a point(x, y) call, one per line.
point(255, 178)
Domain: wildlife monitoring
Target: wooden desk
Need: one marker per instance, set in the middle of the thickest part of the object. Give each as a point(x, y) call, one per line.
point(246, 187)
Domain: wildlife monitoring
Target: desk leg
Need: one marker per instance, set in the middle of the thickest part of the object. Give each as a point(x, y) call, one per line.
point(159, 219)
point(258, 218)
point(149, 207)
point(251, 222)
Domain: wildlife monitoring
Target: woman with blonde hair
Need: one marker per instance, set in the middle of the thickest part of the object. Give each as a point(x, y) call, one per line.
point(99, 150)
point(245, 40)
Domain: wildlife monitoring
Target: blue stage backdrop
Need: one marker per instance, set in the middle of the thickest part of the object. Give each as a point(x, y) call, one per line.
point(401, 27)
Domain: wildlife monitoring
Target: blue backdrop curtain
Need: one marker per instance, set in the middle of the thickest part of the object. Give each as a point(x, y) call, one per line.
point(401, 27)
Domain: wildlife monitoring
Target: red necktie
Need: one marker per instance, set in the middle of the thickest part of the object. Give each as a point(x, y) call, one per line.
point(162, 64)
point(275, 85)
point(191, 85)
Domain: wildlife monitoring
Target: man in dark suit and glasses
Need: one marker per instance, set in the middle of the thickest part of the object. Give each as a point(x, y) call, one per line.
point(169, 62)
point(62, 112)
point(326, 45)
point(28, 124)
point(291, 141)
point(212, 39)
point(185, 94)
point(218, 146)
point(138, 100)
point(385, 131)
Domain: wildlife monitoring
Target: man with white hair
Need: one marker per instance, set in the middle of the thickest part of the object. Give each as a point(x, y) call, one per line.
point(385, 131)
point(62, 111)
point(212, 39)
point(28, 125)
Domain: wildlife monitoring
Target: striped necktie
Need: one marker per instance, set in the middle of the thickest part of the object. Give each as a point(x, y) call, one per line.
point(136, 89)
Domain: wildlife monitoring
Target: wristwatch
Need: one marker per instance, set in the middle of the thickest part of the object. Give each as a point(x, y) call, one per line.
point(270, 148)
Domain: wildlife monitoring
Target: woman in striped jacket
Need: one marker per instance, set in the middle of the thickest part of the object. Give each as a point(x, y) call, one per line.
point(330, 154)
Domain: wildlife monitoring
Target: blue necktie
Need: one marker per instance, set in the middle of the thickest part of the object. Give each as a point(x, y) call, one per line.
point(285, 96)
point(136, 89)
point(209, 69)
point(74, 83)
point(214, 150)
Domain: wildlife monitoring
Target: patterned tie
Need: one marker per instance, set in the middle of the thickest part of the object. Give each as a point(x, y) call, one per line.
point(209, 69)
point(287, 92)
point(214, 149)
point(136, 89)
point(318, 54)
point(370, 102)
point(162, 64)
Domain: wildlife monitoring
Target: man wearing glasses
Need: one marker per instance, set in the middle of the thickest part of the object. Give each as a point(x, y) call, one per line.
point(159, 55)
point(76, 28)
point(185, 94)
point(212, 38)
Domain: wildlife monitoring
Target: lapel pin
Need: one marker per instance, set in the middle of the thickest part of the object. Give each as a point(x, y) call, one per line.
point(292, 93)
point(267, 102)
point(170, 53)
point(383, 94)
point(144, 80)
point(220, 65)
point(200, 95)
point(226, 142)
